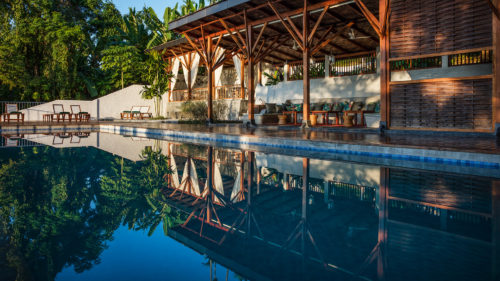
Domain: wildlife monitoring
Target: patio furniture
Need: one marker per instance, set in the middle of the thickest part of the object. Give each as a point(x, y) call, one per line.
point(12, 113)
point(144, 112)
point(78, 114)
point(59, 113)
point(129, 114)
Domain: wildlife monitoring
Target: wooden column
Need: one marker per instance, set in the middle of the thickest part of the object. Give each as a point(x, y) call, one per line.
point(306, 56)
point(250, 71)
point(384, 70)
point(190, 87)
point(242, 77)
point(496, 68)
point(210, 71)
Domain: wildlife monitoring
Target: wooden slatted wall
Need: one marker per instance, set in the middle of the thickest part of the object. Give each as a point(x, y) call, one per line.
point(446, 104)
point(420, 27)
point(436, 27)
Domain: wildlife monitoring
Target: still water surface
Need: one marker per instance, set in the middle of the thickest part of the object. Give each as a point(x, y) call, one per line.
point(109, 207)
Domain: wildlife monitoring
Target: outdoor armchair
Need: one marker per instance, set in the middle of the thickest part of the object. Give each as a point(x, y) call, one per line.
point(78, 114)
point(12, 113)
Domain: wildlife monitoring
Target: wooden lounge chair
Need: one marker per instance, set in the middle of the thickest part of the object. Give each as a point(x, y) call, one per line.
point(129, 114)
point(145, 113)
point(12, 113)
point(59, 113)
point(78, 114)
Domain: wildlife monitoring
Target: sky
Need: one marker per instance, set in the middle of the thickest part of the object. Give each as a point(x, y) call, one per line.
point(157, 5)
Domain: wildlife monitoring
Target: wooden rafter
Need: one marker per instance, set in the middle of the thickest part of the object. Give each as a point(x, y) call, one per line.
point(493, 9)
point(322, 43)
point(369, 16)
point(318, 21)
point(295, 35)
point(386, 17)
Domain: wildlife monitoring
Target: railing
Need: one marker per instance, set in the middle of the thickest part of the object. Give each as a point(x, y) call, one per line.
point(20, 104)
point(316, 70)
point(229, 92)
point(417, 63)
point(480, 57)
point(355, 65)
point(221, 92)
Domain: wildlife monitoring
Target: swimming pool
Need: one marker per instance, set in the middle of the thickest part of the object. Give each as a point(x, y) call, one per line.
point(100, 206)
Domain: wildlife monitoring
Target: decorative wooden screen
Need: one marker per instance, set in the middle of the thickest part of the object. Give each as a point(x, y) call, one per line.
point(419, 27)
point(443, 104)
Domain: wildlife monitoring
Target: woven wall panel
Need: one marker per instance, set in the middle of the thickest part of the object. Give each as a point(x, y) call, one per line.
point(420, 27)
point(454, 104)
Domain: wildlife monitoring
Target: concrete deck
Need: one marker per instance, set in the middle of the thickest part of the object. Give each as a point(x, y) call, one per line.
point(462, 149)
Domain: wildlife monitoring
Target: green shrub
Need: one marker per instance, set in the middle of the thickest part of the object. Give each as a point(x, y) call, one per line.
point(194, 110)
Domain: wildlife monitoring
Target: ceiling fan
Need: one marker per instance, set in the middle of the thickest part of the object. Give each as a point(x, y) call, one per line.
point(353, 36)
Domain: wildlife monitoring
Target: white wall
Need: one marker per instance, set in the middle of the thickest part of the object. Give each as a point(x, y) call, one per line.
point(357, 86)
point(36, 113)
point(107, 107)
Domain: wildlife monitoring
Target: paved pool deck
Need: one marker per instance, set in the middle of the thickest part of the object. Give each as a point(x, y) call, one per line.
point(453, 148)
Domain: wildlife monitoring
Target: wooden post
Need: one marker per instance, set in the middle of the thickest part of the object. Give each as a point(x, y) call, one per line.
point(242, 77)
point(305, 68)
point(250, 71)
point(384, 71)
point(190, 87)
point(210, 72)
point(259, 73)
point(496, 69)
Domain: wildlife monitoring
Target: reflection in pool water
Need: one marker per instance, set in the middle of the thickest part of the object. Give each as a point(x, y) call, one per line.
point(160, 210)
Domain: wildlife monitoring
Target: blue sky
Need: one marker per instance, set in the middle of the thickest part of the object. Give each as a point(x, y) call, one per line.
point(157, 5)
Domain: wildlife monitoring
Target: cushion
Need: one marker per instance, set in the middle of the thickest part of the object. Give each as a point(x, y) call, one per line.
point(271, 107)
point(15, 112)
point(136, 111)
point(127, 111)
point(348, 105)
point(289, 107)
point(279, 108)
point(298, 107)
point(263, 111)
point(377, 107)
point(327, 107)
point(64, 112)
point(370, 106)
point(338, 106)
point(317, 106)
point(356, 106)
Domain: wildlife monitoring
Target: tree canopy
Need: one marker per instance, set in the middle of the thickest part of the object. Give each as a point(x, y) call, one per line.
point(77, 49)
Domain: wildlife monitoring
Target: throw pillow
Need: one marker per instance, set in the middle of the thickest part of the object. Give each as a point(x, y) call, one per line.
point(327, 107)
point(298, 107)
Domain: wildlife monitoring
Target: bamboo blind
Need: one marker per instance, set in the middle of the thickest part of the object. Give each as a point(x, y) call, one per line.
point(420, 27)
point(446, 104)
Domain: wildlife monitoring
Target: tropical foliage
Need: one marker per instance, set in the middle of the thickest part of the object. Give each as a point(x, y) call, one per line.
point(79, 49)
point(158, 82)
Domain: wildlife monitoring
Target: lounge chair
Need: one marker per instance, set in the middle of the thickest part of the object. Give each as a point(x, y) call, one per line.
point(12, 113)
point(129, 114)
point(60, 114)
point(145, 112)
point(78, 114)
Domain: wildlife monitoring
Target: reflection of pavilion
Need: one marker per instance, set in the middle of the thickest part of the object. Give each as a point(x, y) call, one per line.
point(414, 224)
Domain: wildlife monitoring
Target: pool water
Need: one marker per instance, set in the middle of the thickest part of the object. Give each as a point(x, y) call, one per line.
point(109, 207)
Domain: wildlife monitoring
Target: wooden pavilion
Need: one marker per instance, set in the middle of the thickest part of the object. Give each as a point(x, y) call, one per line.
point(438, 44)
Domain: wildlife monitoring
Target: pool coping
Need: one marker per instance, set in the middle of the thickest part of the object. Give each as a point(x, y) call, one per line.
point(453, 157)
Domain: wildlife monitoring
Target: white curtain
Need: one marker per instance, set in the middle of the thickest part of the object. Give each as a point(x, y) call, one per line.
point(237, 66)
point(192, 177)
point(217, 182)
point(218, 72)
point(175, 71)
point(195, 62)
